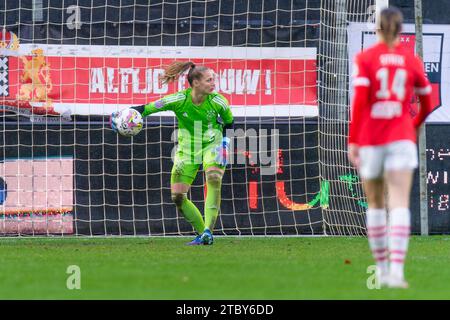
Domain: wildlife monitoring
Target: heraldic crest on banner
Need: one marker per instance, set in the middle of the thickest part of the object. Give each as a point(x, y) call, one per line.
point(36, 80)
point(31, 95)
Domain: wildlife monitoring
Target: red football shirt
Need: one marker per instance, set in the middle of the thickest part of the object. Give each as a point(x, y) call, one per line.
point(384, 81)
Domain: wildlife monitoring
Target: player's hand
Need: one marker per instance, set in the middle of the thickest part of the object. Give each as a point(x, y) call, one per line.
point(112, 121)
point(353, 155)
point(222, 152)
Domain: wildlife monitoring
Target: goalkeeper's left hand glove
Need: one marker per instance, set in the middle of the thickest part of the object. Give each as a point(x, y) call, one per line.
point(222, 152)
point(112, 121)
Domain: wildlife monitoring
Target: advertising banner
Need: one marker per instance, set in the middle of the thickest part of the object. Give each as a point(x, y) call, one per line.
point(97, 80)
point(436, 59)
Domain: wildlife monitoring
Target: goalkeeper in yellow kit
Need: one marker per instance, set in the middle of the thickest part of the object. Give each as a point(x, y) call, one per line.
point(203, 117)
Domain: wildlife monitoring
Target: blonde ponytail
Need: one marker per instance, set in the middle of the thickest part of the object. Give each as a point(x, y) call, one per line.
point(177, 68)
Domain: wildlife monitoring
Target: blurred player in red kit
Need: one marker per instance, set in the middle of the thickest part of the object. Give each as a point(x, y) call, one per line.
point(382, 141)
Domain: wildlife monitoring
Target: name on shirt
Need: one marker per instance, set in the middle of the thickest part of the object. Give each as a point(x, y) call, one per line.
point(386, 110)
point(391, 59)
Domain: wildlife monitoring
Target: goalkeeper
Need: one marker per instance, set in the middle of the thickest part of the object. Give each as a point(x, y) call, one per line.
point(203, 118)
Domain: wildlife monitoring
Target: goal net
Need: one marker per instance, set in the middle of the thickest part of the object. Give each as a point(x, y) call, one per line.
point(65, 66)
point(345, 214)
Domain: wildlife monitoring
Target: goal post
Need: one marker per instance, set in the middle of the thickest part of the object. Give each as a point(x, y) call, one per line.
point(422, 131)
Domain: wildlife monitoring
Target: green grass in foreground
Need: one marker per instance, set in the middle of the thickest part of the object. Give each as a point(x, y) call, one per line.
point(233, 268)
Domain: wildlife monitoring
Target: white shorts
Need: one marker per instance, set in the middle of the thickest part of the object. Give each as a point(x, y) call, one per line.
point(398, 155)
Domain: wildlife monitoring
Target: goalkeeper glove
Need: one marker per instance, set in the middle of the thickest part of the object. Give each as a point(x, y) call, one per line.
point(222, 152)
point(112, 121)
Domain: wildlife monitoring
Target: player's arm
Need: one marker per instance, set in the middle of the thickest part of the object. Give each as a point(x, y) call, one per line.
point(227, 126)
point(422, 88)
point(228, 123)
point(225, 114)
point(166, 103)
point(226, 141)
point(360, 100)
point(361, 86)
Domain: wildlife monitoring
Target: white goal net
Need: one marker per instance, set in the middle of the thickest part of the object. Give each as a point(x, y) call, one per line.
point(65, 66)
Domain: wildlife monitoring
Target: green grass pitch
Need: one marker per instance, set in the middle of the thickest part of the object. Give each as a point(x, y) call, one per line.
point(233, 268)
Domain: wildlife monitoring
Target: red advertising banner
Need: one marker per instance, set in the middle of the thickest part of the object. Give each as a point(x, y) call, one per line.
point(101, 79)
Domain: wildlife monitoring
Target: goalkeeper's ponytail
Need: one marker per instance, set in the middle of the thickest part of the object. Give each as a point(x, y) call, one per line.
point(176, 68)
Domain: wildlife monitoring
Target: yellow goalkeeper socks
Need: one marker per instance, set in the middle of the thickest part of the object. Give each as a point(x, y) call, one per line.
point(192, 215)
point(212, 203)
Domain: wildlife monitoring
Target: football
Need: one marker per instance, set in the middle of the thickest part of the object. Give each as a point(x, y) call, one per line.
point(127, 122)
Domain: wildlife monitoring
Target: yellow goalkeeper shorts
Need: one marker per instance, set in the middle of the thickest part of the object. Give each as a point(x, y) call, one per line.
point(187, 164)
